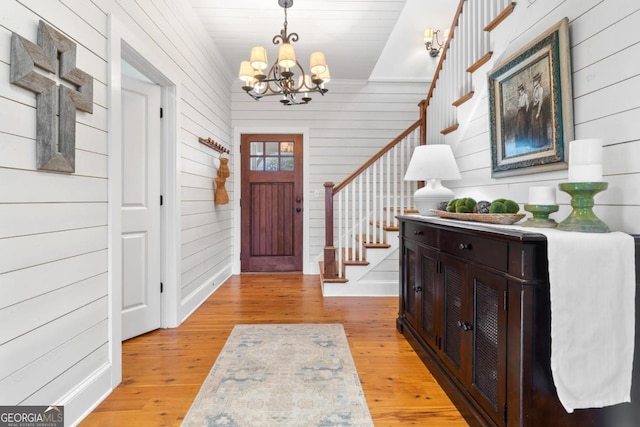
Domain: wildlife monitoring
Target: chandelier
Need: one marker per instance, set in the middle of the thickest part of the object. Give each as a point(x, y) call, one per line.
point(286, 78)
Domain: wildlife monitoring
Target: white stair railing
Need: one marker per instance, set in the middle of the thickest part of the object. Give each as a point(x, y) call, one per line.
point(369, 201)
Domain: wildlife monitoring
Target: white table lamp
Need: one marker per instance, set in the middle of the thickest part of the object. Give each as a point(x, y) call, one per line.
point(431, 163)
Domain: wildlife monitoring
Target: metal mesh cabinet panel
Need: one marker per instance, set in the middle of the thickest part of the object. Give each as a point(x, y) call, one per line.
point(486, 332)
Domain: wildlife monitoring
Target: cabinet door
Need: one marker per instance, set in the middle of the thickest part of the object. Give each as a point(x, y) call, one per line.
point(410, 282)
point(429, 296)
point(456, 319)
point(489, 364)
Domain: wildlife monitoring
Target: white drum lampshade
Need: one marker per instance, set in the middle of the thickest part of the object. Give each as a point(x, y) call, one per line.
point(431, 164)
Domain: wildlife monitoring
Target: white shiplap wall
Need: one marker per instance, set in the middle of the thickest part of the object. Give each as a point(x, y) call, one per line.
point(345, 128)
point(54, 254)
point(605, 45)
point(53, 227)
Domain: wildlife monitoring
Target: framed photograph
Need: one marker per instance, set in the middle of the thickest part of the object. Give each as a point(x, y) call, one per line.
point(531, 106)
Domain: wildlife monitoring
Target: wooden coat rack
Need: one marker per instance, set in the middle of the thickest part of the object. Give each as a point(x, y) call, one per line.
point(212, 144)
point(220, 196)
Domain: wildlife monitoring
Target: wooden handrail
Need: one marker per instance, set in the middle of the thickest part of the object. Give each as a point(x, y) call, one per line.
point(376, 156)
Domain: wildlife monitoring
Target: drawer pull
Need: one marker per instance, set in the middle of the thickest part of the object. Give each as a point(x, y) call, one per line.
point(464, 246)
point(417, 233)
point(464, 326)
point(417, 289)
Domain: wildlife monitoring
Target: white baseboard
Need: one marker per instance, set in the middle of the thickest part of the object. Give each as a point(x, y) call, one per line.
point(361, 289)
point(197, 297)
point(84, 398)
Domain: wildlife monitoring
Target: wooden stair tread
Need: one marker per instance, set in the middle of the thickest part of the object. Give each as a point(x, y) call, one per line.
point(338, 280)
point(330, 280)
point(348, 258)
point(501, 17)
point(372, 242)
point(449, 129)
point(464, 98)
point(480, 62)
point(386, 227)
point(376, 245)
point(349, 262)
point(406, 210)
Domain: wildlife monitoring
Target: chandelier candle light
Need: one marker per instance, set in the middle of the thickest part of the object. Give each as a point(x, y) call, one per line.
point(280, 79)
point(432, 163)
point(585, 181)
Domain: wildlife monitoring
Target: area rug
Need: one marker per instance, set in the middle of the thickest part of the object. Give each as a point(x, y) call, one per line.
point(282, 375)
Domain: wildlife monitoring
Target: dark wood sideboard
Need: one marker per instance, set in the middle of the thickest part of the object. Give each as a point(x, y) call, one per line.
point(474, 303)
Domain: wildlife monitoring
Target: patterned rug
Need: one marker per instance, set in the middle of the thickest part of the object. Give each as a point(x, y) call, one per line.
point(282, 375)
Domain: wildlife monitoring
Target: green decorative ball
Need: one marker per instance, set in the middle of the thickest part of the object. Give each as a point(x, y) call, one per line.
point(497, 208)
point(465, 205)
point(511, 206)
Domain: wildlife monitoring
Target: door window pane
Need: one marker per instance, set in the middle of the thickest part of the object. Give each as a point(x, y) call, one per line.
point(286, 148)
point(272, 156)
point(257, 164)
point(257, 148)
point(272, 164)
point(271, 148)
point(286, 163)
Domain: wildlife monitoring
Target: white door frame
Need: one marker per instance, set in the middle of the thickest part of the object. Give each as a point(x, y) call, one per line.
point(144, 56)
point(238, 131)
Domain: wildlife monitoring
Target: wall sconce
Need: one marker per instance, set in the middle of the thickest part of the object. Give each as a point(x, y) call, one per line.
point(432, 41)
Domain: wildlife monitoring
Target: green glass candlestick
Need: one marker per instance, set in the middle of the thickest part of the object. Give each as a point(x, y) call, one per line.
point(540, 216)
point(582, 218)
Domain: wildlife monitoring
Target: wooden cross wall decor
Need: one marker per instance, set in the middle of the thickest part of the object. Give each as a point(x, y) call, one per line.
point(56, 104)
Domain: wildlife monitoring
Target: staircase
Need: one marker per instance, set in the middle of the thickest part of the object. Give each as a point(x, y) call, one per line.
point(365, 207)
point(361, 231)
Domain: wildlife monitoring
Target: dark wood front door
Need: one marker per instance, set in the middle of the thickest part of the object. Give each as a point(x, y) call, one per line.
point(271, 203)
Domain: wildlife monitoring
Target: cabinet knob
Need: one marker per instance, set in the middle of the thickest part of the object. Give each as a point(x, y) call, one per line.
point(464, 246)
point(464, 326)
point(417, 289)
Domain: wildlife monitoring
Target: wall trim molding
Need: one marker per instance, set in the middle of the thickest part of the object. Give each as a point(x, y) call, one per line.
point(86, 396)
point(191, 302)
point(141, 54)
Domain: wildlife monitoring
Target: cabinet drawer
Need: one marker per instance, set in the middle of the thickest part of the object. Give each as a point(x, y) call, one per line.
point(492, 253)
point(421, 233)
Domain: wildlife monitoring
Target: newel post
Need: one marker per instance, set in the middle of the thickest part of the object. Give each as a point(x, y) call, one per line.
point(329, 249)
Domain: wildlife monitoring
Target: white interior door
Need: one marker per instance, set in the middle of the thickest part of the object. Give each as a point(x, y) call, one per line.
point(141, 301)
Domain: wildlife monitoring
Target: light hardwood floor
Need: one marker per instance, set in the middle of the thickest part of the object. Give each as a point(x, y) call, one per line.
point(163, 370)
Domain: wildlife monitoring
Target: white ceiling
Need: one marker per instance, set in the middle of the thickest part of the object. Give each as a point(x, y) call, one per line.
point(361, 39)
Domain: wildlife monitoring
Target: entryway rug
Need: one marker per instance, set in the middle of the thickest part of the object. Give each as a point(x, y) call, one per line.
point(282, 375)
